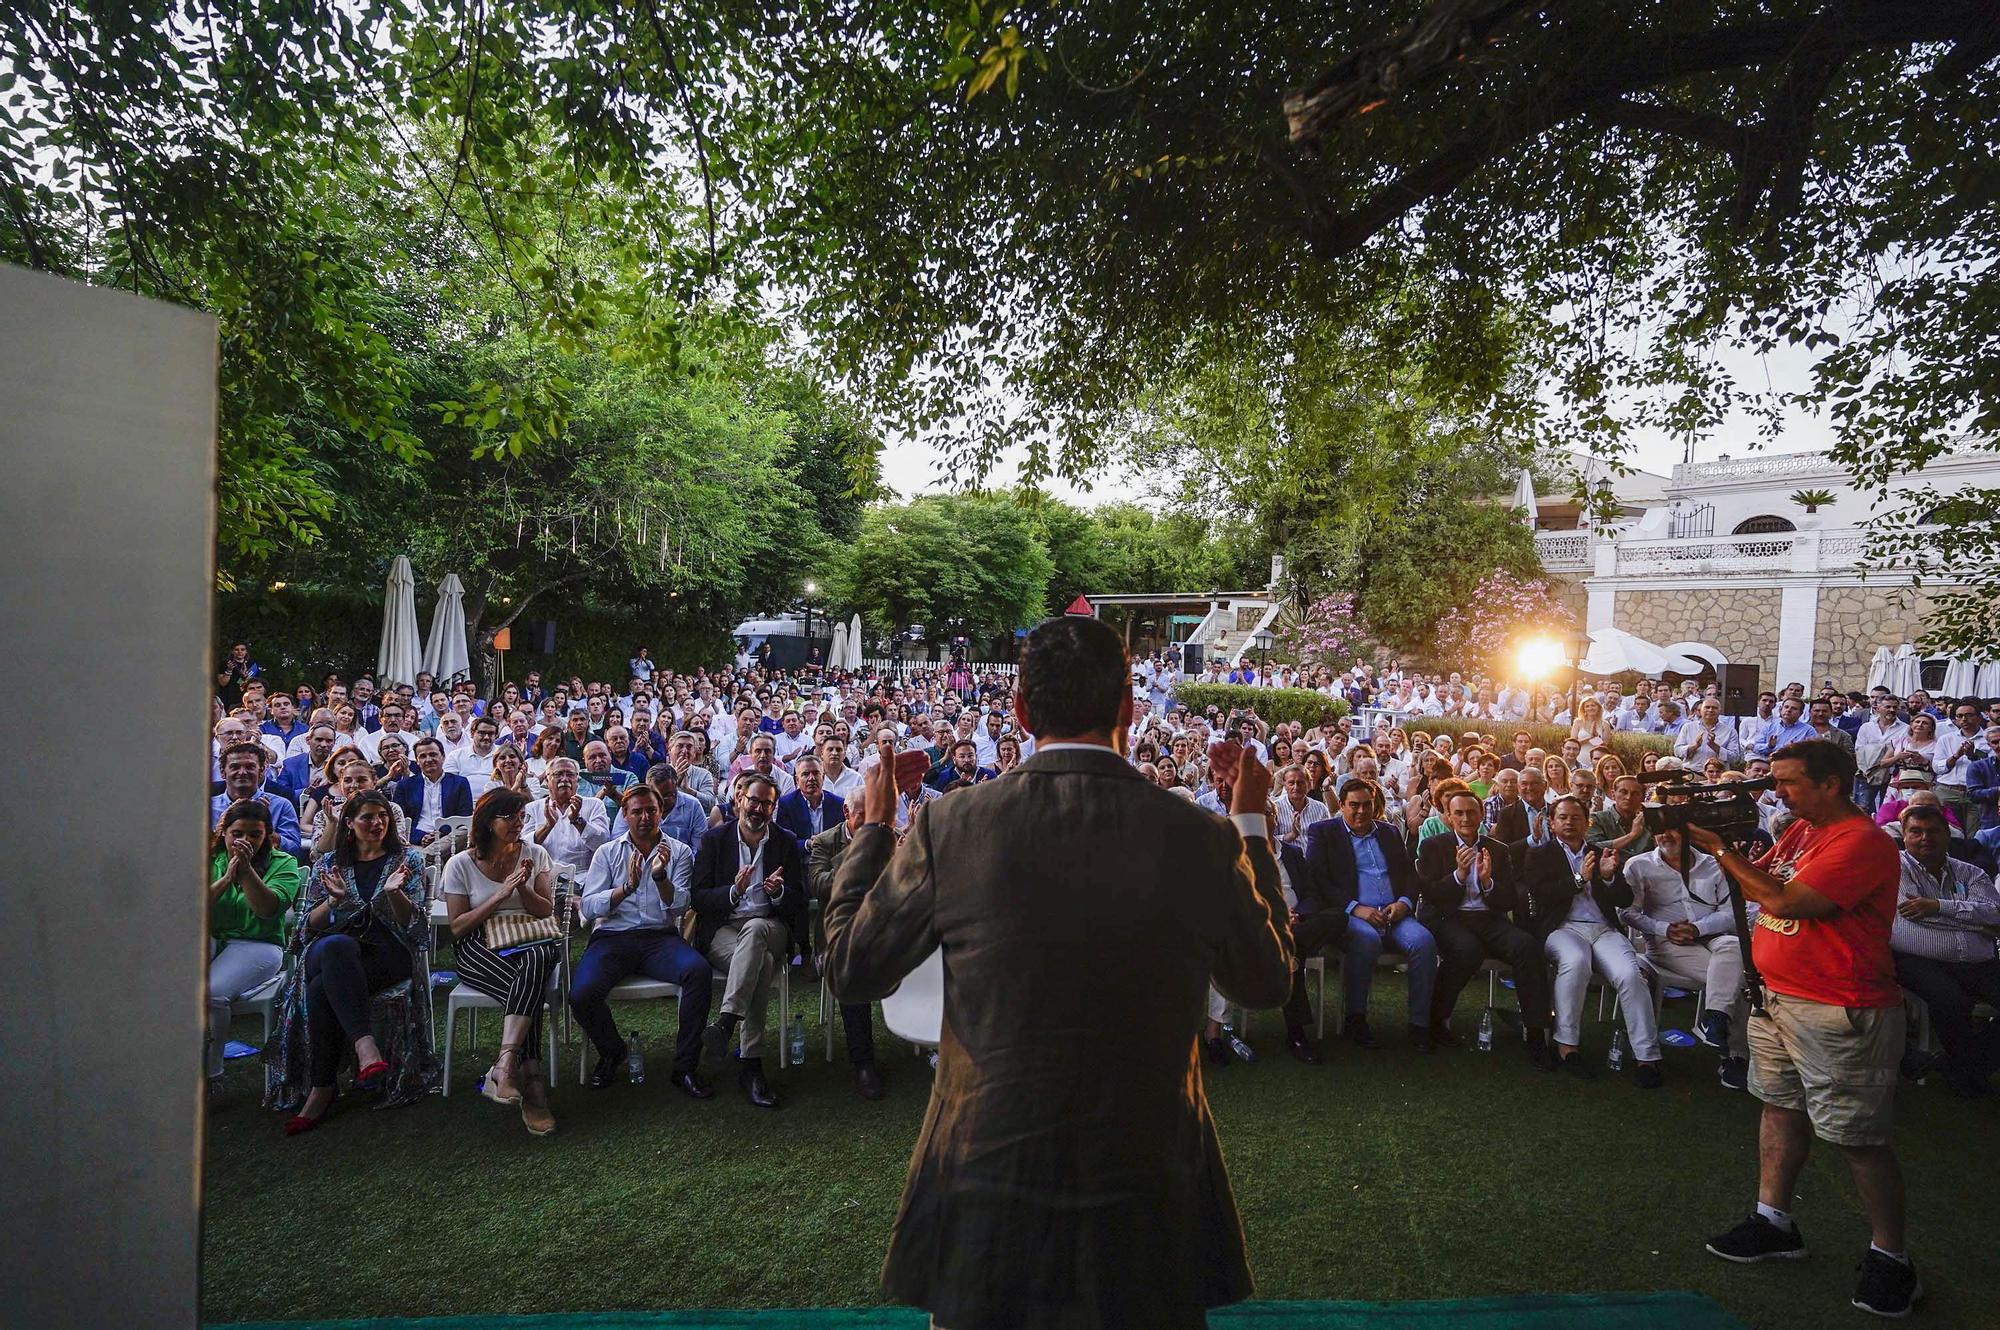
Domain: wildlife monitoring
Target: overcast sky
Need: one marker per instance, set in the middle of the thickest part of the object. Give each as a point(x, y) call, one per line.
point(911, 469)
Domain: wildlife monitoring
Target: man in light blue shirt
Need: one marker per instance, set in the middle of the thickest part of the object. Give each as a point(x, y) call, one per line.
point(635, 891)
point(243, 778)
point(1792, 727)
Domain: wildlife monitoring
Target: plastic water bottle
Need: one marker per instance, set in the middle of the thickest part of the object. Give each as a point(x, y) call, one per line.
point(1486, 1030)
point(635, 1059)
point(798, 1036)
point(1238, 1045)
point(1617, 1050)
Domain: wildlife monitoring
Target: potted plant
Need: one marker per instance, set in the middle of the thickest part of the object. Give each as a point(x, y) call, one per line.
point(1810, 500)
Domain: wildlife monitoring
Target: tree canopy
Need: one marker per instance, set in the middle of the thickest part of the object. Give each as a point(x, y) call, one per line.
point(1009, 225)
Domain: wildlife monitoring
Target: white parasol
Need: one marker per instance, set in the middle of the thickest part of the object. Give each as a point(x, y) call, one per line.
point(1524, 498)
point(400, 655)
point(444, 651)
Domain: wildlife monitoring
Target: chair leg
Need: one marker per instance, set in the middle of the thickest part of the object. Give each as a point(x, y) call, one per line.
point(450, 1030)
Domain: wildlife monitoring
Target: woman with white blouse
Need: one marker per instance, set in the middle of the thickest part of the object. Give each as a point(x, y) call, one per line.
point(501, 874)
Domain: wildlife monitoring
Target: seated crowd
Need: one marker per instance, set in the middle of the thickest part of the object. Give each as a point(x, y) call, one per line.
point(690, 826)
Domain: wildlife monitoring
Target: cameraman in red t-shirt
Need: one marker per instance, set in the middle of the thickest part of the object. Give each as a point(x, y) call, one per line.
point(1824, 1053)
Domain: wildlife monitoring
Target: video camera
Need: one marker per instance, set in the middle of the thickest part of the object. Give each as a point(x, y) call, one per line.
point(1729, 810)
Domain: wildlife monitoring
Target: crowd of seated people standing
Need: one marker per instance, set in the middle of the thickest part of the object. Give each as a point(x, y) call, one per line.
point(702, 814)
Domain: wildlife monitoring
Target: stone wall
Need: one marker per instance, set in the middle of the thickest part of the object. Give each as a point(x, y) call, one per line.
point(1854, 620)
point(1741, 622)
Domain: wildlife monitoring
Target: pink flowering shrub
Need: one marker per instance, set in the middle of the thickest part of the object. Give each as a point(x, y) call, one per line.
point(1503, 609)
point(1329, 634)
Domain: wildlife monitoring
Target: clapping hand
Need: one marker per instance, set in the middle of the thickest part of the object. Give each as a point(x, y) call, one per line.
point(878, 786)
point(1485, 865)
point(1251, 790)
point(1467, 857)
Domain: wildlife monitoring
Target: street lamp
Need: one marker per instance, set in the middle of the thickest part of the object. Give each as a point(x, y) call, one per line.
point(1577, 643)
point(1262, 640)
point(812, 589)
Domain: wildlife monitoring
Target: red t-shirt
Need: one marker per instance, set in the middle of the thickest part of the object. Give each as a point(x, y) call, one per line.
point(1842, 960)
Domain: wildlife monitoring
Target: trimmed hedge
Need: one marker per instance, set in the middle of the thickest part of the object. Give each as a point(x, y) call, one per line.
point(1628, 747)
point(1273, 704)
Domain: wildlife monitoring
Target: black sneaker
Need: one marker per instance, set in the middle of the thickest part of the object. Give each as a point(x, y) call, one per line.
point(1646, 1075)
point(1577, 1065)
point(1713, 1029)
point(1217, 1049)
point(1758, 1239)
point(1734, 1073)
point(605, 1073)
point(1886, 1286)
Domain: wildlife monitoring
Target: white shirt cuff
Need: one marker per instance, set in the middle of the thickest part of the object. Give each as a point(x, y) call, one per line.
point(1251, 824)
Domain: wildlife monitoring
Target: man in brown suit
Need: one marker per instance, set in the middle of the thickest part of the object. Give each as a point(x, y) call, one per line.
point(1068, 1172)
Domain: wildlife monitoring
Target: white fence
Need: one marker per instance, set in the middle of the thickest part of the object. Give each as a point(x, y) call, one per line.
point(884, 665)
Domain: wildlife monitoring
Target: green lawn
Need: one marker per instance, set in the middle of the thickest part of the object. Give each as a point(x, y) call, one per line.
point(1378, 1176)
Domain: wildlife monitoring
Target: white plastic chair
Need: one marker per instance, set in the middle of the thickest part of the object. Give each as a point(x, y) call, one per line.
point(914, 1013)
point(259, 1001)
point(465, 998)
point(1315, 994)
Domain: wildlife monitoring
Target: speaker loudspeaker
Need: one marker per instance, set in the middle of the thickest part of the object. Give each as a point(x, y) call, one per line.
point(1739, 689)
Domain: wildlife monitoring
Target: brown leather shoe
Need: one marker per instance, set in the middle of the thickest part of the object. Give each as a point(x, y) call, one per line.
point(535, 1114)
point(868, 1081)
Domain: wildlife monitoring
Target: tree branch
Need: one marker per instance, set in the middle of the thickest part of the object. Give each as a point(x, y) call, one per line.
point(1698, 127)
point(1605, 87)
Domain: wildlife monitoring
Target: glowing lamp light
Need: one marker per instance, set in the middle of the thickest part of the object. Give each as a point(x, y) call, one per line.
point(1539, 657)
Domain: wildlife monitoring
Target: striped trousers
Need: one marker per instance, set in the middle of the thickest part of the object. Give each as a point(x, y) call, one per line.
point(518, 981)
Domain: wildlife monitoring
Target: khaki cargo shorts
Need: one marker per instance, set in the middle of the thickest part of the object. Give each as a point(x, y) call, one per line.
point(1837, 1065)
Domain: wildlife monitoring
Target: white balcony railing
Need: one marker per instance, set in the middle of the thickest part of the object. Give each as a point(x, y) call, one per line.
point(1777, 552)
point(1564, 551)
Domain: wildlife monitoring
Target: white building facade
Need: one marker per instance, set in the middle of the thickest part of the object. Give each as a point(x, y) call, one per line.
point(1720, 557)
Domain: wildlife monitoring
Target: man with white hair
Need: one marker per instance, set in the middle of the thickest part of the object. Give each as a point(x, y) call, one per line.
point(566, 824)
point(1683, 911)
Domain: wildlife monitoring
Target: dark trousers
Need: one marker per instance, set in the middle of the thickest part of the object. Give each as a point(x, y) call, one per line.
point(341, 971)
point(1465, 938)
point(1949, 989)
point(857, 1022)
point(1310, 935)
point(658, 954)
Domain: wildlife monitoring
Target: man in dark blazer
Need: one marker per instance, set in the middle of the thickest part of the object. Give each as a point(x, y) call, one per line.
point(857, 1020)
point(1068, 1171)
point(1360, 897)
point(1579, 936)
point(454, 792)
point(748, 891)
point(1468, 900)
point(809, 809)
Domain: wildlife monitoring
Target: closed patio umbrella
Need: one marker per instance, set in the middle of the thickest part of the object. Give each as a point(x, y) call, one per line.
point(1959, 677)
point(1986, 683)
point(854, 639)
point(400, 655)
point(836, 654)
point(1906, 671)
point(444, 651)
point(1524, 498)
point(1878, 667)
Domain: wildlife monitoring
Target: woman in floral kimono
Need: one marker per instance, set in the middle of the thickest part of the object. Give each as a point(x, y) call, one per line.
point(362, 935)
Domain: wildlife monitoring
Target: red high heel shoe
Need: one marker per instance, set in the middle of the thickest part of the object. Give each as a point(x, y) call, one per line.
point(369, 1078)
point(298, 1124)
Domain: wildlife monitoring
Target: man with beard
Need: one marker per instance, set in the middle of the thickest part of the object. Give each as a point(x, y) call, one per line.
point(749, 895)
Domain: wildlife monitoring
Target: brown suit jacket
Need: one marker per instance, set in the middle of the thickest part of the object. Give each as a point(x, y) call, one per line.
point(1068, 1171)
